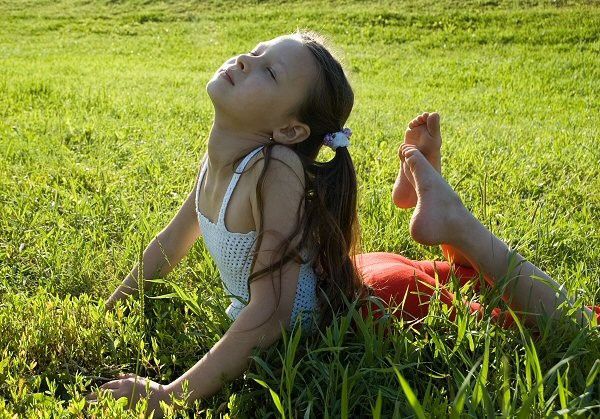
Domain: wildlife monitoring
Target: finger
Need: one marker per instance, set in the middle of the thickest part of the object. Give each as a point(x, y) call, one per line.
point(87, 403)
point(112, 385)
point(93, 396)
point(115, 393)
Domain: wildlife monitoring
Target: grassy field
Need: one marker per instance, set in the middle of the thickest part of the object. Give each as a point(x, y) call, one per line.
point(103, 118)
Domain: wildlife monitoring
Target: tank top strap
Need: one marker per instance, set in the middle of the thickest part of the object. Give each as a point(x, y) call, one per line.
point(203, 166)
point(234, 180)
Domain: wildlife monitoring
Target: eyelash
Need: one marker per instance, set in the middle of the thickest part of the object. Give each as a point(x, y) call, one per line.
point(268, 69)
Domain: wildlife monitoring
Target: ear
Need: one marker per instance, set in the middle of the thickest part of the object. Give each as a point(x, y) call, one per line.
point(294, 133)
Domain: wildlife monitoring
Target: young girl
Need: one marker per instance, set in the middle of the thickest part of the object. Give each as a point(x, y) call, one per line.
point(279, 225)
point(440, 218)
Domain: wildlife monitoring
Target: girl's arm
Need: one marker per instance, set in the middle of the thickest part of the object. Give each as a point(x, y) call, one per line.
point(272, 295)
point(164, 252)
point(257, 326)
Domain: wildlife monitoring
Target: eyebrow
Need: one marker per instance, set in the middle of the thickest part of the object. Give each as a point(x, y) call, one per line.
point(261, 45)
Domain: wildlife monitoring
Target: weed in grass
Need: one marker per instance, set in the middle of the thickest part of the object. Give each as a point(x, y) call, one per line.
point(103, 120)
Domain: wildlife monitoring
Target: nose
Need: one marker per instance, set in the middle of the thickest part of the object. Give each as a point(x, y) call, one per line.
point(243, 62)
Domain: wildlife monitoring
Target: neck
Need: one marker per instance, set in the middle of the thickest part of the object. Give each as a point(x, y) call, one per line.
point(227, 143)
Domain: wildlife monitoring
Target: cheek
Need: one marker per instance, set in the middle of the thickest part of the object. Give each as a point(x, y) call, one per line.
point(291, 99)
point(256, 91)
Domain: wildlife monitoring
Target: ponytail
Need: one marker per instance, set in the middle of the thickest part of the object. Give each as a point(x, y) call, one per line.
point(328, 226)
point(331, 220)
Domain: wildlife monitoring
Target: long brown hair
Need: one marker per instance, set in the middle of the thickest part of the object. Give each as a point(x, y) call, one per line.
point(328, 225)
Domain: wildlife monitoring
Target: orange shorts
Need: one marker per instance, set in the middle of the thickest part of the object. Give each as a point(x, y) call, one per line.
point(410, 284)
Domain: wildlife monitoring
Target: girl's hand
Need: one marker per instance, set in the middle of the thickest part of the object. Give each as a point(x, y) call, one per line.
point(133, 387)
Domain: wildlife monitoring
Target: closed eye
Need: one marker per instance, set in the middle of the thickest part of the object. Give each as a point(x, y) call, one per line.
point(254, 54)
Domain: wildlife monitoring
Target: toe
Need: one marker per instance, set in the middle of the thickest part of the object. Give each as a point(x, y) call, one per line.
point(414, 158)
point(414, 154)
point(408, 149)
point(433, 123)
point(418, 120)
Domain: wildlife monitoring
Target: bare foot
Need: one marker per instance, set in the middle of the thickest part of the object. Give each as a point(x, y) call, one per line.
point(424, 133)
point(439, 216)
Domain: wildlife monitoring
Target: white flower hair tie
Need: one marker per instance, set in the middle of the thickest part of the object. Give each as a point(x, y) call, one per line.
point(338, 139)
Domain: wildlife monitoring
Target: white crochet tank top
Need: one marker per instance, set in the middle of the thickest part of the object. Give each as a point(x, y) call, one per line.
point(233, 254)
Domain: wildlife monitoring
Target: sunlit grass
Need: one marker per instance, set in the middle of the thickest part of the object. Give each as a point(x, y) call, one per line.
point(103, 118)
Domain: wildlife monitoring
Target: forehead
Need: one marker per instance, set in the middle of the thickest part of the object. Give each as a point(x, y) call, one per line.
point(292, 54)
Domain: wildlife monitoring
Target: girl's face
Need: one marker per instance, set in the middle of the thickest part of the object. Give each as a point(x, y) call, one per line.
point(261, 90)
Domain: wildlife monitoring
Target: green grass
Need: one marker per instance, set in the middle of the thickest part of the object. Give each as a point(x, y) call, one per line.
point(103, 118)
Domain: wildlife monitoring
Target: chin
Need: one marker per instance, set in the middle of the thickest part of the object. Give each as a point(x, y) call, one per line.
point(220, 106)
point(210, 87)
point(212, 90)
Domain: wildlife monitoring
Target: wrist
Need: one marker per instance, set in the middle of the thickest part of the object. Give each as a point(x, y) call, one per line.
point(114, 297)
point(172, 391)
point(168, 388)
point(165, 392)
point(111, 301)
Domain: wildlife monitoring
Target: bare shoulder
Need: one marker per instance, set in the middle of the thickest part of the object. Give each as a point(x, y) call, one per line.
point(282, 190)
point(284, 168)
point(285, 157)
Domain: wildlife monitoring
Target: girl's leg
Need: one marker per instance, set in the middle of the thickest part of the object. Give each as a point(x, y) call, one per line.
point(399, 281)
point(444, 271)
point(440, 217)
point(438, 270)
point(410, 285)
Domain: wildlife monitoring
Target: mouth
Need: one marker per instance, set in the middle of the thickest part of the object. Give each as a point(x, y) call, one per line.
point(228, 77)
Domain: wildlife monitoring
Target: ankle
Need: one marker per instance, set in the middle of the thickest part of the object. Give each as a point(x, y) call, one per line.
point(460, 221)
point(435, 159)
point(466, 228)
